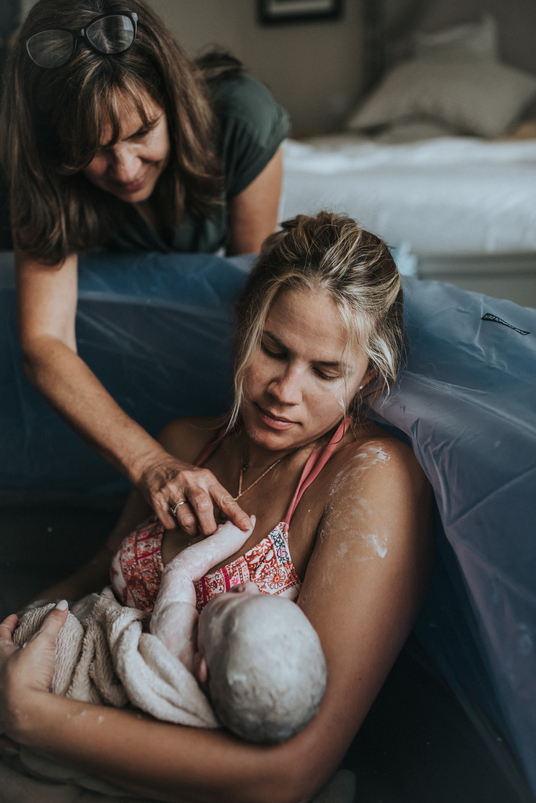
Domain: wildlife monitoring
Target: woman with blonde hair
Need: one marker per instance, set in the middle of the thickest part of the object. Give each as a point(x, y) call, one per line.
point(111, 136)
point(343, 523)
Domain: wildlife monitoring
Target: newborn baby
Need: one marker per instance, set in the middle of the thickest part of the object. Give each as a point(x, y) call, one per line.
point(257, 656)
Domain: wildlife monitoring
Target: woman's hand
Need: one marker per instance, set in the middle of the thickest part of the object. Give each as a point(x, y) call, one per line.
point(47, 300)
point(194, 491)
point(26, 671)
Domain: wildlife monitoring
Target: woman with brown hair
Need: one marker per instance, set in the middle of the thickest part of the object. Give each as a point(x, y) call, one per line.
point(111, 136)
point(343, 523)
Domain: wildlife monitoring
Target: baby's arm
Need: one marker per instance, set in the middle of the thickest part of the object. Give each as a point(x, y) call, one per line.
point(175, 613)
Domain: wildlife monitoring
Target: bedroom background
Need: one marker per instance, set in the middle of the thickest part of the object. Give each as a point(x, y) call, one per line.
point(439, 158)
point(416, 117)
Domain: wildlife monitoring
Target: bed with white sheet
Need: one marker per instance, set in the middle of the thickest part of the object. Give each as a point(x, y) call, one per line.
point(441, 153)
point(448, 195)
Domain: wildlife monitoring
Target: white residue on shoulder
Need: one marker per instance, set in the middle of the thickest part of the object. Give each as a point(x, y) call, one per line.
point(372, 450)
point(379, 545)
point(343, 549)
point(367, 457)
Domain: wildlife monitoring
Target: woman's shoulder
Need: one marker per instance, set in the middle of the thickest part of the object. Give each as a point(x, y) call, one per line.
point(377, 491)
point(373, 461)
point(251, 127)
point(185, 438)
point(244, 98)
point(249, 117)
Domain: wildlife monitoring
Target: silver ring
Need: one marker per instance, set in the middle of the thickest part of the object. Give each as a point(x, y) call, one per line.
point(174, 507)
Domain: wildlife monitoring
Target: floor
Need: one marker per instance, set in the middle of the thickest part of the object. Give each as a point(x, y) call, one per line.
point(418, 744)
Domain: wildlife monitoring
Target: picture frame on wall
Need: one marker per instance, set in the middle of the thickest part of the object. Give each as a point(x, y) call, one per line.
point(276, 12)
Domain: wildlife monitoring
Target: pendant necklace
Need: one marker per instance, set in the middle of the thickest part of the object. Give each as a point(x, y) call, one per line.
point(243, 467)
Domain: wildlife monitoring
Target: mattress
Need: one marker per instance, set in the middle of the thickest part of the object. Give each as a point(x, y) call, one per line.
point(449, 195)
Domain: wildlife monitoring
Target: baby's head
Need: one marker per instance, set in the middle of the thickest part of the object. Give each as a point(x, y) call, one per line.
point(262, 664)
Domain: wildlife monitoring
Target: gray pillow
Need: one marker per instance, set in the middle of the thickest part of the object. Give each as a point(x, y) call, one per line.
point(472, 94)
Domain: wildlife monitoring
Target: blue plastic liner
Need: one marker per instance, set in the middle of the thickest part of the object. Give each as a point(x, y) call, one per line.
point(157, 331)
point(157, 328)
point(467, 402)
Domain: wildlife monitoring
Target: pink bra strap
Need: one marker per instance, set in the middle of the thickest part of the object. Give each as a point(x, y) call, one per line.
point(209, 448)
point(314, 466)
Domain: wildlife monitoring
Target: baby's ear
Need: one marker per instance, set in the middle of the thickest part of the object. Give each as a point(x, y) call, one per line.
point(200, 667)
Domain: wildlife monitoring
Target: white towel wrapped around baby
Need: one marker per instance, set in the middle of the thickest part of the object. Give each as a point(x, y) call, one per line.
point(103, 656)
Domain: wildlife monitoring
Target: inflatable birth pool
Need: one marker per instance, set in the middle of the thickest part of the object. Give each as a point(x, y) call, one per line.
point(156, 329)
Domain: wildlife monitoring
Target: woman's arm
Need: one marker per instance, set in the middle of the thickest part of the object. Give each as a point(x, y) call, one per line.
point(253, 213)
point(183, 439)
point(362, 590)
point(47, 300)
point(369, 573)
point(155, 759)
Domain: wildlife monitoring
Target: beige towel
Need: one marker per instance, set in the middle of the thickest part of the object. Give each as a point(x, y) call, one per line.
point(104, 657)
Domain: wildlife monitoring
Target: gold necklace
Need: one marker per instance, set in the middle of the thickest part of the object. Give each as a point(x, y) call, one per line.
point(243, 467)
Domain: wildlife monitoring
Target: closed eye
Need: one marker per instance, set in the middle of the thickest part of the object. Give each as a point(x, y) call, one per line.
point(138, 136)
point(141, 134)
point(145, 130)
point(327, 377)
point(276, 355)
point(276, 350)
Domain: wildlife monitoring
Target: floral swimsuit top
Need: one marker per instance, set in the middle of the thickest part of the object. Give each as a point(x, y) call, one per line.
point(137, 566)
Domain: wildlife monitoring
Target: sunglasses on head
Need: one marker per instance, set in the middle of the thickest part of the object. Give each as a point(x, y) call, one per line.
point(108, 34)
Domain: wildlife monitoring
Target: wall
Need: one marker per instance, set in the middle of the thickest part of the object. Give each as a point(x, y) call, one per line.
point(314, 69)
point(25, 5)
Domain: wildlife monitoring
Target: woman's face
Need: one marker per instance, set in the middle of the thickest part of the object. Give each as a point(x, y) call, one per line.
point(300, 378)
point(130, 168)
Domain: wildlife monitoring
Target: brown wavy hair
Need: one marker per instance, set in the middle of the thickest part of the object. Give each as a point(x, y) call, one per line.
point(52, 124)
point(329, 253)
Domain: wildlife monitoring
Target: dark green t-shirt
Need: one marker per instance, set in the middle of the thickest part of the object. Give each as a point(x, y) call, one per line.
point(251, 128)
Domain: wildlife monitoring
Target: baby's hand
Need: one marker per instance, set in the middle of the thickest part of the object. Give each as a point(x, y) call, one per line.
point(199, 558)
point(228, 529)
point(228, 539)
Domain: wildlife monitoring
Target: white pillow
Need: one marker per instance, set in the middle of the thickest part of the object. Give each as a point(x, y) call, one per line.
point(473, 95)
point(479, 38)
